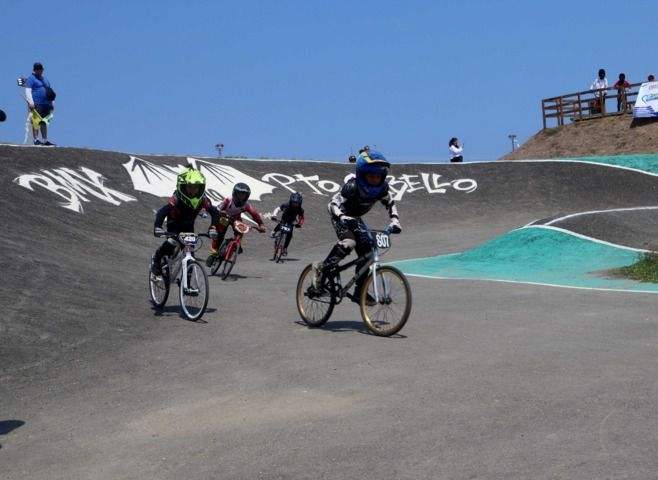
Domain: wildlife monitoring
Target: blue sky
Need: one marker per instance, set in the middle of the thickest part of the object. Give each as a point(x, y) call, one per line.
point(305, 79)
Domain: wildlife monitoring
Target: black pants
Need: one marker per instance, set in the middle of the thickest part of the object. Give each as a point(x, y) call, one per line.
point(456, 159)
point(348, 239)
point(168, 247)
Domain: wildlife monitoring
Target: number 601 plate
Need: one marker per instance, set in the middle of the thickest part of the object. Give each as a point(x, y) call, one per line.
point(383, 240)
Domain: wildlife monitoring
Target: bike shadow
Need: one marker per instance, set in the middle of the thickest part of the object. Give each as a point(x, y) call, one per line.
point(340, 326)
point(7, 426)
point(234, 277)
point(174, 310)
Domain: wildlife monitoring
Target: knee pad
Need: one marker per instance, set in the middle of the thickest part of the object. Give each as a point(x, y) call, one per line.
point(347, 244)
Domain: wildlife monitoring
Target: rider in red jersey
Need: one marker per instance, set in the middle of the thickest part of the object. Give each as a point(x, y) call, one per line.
point(231, 209)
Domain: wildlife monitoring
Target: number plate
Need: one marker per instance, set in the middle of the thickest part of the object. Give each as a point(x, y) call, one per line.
point(189, 240)
point(383, 240)
point(285, 228)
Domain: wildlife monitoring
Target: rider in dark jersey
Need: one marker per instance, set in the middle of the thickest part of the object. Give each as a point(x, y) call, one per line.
point(291, 213)
point(355, 199)
point(181, 212)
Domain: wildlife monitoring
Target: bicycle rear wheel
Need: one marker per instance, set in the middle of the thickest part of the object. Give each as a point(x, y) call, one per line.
point(159, 286)
point(314, 305)
point(391, 312)
point(194, 297)
point(230, 262)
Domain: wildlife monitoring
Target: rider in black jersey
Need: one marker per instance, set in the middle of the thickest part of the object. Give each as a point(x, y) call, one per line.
point(180, 212)
point(355, 199)
point(291, 213)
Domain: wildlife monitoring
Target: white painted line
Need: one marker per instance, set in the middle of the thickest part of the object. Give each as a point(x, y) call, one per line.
point(611, 165)
point(585, 237)
point(593, 212)
point(597, 289)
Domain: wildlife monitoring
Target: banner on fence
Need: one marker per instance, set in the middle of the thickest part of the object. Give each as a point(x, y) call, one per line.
point(646, 104)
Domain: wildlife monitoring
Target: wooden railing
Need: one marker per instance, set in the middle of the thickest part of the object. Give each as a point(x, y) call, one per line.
point(589, 104)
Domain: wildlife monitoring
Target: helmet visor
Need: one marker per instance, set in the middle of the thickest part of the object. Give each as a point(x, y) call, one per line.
point(193, 190)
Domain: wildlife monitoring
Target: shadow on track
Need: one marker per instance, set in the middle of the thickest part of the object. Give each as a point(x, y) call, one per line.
point(174, 310)
point(8, 426)
point(340, 326)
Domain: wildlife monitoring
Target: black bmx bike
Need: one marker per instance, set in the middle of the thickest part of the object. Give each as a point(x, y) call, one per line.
point(184, 270)
point(384, 299)
point(280, 240)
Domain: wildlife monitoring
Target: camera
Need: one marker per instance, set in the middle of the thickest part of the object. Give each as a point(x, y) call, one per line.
point(20, 81)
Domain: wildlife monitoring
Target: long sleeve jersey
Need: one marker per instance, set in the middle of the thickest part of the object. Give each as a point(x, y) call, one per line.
point(352, 202)
point(229, 209)
point(181, 216)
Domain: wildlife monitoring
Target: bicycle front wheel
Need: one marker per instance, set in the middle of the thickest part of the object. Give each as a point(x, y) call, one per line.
point(314, 305)
point(194, 296)
point(159, 286)
point(277, 249)
point(216, 263)
point(390, 312)
point(229, 263)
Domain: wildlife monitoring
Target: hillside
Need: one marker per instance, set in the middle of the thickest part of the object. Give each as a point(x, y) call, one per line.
point(605, 136)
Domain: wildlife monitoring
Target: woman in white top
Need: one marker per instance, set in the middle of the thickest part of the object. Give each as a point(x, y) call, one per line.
point(455, 150)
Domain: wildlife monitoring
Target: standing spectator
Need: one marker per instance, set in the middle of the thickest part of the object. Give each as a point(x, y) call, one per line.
point(622, 86)
point(455, 150)
point(40, 98)
point(3, 116)
point(651, 78)
point(601, 81)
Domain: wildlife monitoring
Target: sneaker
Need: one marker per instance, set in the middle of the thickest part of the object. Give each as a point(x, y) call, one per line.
point(38, 142)
point(192, 292)
point(370, 300)
point(285, 252)
point(317, 274)
point(273, 234)
point(211, 258)
point(156, 271)
point(48, 144)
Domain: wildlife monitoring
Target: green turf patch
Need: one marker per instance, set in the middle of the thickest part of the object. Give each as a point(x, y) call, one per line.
point(643, 162)
point(644, 270)
point(537, 255)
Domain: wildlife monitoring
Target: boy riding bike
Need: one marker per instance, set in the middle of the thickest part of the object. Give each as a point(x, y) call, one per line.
point(181, 211)
point(290, 213)
point(346, 208)
point(229, 210)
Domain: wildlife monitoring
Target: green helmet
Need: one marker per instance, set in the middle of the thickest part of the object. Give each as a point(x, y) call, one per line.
point(190, 186)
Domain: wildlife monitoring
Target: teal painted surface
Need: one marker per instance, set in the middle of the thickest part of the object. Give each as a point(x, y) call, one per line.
point(534, 255)
point(644, 162)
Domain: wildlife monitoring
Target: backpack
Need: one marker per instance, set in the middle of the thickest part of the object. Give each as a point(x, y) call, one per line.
point(50, 94)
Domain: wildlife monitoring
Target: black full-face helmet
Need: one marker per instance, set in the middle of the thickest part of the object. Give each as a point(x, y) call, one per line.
point(241, 192)
point(296, 199)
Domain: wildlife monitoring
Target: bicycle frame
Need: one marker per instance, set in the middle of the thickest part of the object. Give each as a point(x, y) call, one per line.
point(185, 253)
point(371, 263)
point(236, 241)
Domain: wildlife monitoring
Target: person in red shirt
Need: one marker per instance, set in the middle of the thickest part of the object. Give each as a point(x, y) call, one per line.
point(621, 85)
point(229, 210)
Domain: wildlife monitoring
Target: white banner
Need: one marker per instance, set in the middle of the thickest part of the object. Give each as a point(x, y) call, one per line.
point(646, 104)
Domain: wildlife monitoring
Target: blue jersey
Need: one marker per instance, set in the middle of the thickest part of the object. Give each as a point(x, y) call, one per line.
point(38, 87)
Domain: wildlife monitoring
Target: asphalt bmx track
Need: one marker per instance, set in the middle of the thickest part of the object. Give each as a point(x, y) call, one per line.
point(488, 380)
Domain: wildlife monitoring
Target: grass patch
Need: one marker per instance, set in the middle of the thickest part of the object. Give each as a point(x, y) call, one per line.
point(549, 132)
point(645, 270)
